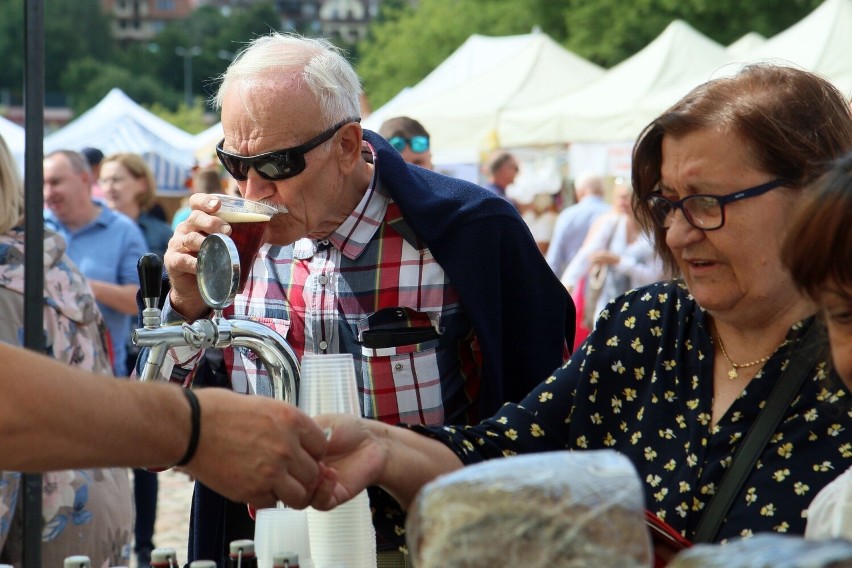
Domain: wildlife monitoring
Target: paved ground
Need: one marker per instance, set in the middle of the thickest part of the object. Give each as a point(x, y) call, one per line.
point(173, 502)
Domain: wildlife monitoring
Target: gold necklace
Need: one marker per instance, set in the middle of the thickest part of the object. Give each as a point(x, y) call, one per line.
point(732, 374)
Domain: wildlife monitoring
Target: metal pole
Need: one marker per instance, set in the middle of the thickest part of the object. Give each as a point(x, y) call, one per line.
point(33, 244)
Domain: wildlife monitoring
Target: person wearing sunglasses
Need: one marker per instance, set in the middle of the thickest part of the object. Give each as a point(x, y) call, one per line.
point(433, 284)
point(409, 138)
point(676, 373)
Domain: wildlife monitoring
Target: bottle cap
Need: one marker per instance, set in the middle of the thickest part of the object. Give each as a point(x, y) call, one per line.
point(164, 557)
point(285, 560)
point(202, 564)
point(78, 561)
point(246, 546)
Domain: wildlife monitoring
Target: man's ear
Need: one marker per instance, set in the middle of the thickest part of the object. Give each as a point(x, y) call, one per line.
point(349, 146)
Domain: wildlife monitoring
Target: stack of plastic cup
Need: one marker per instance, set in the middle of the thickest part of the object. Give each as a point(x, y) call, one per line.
point(281, 530)
point(344, 536)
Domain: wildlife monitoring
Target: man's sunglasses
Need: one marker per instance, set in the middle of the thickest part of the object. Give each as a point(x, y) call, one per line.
point(416, 143)
point(278, 164)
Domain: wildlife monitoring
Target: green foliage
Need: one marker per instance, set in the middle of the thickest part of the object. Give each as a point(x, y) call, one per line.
point(407, 43)
point(191, 119)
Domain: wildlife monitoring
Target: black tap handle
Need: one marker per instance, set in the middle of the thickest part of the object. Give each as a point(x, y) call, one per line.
point(150, 268)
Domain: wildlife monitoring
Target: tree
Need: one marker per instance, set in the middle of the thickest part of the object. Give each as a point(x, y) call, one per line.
point(407, 43)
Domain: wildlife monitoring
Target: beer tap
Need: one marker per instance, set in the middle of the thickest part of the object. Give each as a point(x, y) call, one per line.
point(218, 279)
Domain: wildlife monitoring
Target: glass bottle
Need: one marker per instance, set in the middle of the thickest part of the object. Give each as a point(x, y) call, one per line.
point(241, 554)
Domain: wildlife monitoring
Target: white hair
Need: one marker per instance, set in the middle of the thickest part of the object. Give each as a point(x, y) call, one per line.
point(315, 61)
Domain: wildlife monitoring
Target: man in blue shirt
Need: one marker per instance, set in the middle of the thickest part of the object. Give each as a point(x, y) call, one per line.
point(574, 221)
point(104, 245)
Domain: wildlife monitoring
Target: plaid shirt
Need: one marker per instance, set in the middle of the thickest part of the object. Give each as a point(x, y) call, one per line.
point(370, 291)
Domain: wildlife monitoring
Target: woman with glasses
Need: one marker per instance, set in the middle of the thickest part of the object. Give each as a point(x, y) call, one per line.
point(676, 373)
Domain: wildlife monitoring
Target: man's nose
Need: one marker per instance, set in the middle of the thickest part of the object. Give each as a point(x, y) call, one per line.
point(256, 188)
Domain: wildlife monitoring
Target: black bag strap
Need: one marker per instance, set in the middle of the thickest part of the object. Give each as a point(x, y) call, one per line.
point(802, 360)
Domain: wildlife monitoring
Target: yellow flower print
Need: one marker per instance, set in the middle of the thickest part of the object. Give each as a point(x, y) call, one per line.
point(656, 331)
point(509, 453)
point(786, 450)
point(545, 396)
point(582, 442)
point(653, 480)
point(629, 394)
point(709, 489)
point(616, 405)
point(625, 307)
point(654, 315)
point(776, 438)
point(845, 450)
point(630, 322)
point(670, 465)
point(768, 510)
point(650, 453)
point(684, 487)
point(536, 431)
point(670, 364)
point(823, 467)
point(682, 510)
point(467, 445)
point(609, 440)
point(662, 298)
point(811, 415)
point(688, 345)
point(692, 404)
point(612, 341)
point(512, 434)
point(618, 367)
point(639, 373)
point(635, 437)
point(549, 379)
point(782, 528)
point(596, 419)
point(661, 494)
point(692, 460)
point(669, 396)
point(801, 488)
point(502, 420)
point(645, 297)
point(834, 430)
point(637, 346)
point(667, 434)
point(781, 474)
point(704, 418)
point(681, 421)
point(751, 495)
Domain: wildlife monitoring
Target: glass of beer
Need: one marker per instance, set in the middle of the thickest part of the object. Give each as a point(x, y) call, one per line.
point(248, 221)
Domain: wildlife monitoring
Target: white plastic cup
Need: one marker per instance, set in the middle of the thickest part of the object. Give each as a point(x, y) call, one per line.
point(281, 530)
point(343, 536)
point(328, 385)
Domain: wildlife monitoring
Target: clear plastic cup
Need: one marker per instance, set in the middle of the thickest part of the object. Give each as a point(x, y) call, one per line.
point(328, 385)
point(248, 221)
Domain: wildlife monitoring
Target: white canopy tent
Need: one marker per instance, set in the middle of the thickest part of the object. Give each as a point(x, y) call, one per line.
point(463, 101)
point(118, 124)
point(14, 135)
point(748, 42)
point(821, 42)
point(606, 110)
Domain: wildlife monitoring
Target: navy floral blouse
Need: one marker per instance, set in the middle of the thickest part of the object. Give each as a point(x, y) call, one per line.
point(641, 385)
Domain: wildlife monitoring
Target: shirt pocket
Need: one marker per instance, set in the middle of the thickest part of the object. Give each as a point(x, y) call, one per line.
point(402, 379)
point(248, 373)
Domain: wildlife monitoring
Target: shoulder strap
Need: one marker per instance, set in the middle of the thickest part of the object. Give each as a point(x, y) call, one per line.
point(802, 360)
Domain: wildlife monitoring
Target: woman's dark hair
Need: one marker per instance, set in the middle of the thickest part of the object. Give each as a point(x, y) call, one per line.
point(793, 122)
point(818, 247)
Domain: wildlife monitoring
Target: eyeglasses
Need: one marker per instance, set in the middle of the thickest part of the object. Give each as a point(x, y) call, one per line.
point(704, 212)
point(278, 164)
point(417, 144)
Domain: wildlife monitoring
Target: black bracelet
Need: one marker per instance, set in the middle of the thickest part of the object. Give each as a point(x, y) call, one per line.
point(195, 407)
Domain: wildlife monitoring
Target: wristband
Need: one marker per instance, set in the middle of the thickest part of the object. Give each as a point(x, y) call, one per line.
point(195, 408)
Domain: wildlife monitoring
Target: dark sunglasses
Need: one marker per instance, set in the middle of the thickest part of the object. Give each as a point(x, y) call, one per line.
point(278, 164)
point(416, 143)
